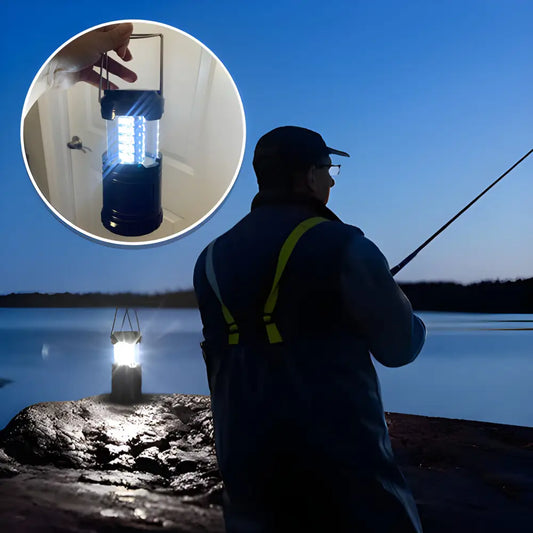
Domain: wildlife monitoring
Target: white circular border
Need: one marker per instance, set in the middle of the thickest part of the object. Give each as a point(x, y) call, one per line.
point(138, 244)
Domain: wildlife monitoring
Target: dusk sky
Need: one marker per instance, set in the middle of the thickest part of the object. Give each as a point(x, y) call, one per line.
point(431, 99)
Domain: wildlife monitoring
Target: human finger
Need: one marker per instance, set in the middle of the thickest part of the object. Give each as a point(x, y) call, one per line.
point(109, 27)
point(93, 78)
point(125, 54)
point(117, 39)
point(123, 51)
point(118, 69)
point(88, 48)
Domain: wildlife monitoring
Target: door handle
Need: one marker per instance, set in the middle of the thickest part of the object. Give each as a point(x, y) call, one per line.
point(77, 144)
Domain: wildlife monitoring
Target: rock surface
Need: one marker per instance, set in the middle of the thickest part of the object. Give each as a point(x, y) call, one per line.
point(91, 465)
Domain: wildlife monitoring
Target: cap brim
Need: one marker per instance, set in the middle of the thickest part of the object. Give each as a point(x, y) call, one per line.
point(337, 152)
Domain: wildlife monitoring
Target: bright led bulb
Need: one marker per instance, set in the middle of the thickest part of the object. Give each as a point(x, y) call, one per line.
point(125, 353)
point(131, 140)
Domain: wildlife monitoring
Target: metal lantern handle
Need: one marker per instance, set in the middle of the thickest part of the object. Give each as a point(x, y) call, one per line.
point(104, 63)
point(126, 315)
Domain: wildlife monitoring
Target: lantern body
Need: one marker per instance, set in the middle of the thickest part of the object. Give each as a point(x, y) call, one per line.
point(126, 372)
point(126, 383)
point(132, 163)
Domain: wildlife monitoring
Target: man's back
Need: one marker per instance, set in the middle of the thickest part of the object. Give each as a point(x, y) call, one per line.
point(300, 423)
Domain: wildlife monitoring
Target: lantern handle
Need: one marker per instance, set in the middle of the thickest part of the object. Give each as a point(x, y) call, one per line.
point(114, 319)
point(126, 315)
point(104, 63)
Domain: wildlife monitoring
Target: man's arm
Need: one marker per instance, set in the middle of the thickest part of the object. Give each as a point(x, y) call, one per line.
point(379, 307)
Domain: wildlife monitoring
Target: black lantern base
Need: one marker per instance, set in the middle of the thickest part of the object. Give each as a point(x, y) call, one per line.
point(132, 198)
point(126, 383)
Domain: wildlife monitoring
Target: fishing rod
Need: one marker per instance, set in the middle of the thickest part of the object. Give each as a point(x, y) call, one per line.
point(412, 255)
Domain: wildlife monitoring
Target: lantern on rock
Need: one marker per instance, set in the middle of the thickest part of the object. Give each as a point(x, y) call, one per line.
point(126, 371)
point(131, 165)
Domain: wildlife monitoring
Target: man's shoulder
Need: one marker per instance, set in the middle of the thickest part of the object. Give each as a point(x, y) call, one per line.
point(337, 226)
point(254, 231)
point(351, 245)
point(330, 229)
point(228, 234)
point(339, 233)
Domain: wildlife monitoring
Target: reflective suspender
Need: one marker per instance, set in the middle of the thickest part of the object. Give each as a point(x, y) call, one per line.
point(233, 329)
point(272, 331)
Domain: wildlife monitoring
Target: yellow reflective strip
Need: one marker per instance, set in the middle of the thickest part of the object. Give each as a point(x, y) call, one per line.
point(233, 338)
point(212, 279)
point(228, 317)
point(284, 254)
point(273, 333)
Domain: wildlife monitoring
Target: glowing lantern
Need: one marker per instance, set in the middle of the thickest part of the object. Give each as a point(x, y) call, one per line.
point(131, 166)
point(126, 371)
point(125, 347)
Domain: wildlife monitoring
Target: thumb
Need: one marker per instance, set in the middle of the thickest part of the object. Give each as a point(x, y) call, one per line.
point(117, 39)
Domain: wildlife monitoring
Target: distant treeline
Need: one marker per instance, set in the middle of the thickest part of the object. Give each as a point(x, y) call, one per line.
point(128, 299)
point(485, 297)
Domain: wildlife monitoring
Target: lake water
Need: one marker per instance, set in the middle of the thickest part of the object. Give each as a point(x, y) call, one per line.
point(473, 366)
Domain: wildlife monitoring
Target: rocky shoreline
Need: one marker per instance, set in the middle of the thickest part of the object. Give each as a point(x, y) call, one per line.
point(91, 465)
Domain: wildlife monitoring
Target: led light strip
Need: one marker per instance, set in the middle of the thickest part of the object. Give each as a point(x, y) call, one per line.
point(131, 139)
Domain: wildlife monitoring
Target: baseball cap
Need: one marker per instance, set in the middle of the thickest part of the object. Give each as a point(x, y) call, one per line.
point(286, 149)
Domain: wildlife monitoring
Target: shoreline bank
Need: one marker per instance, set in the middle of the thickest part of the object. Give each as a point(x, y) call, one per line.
point(93, 465)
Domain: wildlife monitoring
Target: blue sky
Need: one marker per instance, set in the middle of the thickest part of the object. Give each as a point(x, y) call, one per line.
point(431, 99)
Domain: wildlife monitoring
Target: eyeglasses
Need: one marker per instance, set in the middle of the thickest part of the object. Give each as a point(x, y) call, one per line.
point(333, 169)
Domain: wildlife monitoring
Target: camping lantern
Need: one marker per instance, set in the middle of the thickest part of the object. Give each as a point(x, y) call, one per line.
point(131, 165)
point(126, 371)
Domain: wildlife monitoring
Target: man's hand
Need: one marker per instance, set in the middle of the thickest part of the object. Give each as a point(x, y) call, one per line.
point(75, 61)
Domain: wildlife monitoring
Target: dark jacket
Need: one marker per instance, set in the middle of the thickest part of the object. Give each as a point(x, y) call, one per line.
point(308, 410)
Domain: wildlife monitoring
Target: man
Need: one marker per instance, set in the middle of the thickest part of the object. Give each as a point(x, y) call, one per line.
point(292, 301)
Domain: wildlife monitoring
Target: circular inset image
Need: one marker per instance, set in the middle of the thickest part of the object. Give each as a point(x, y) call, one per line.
point(133, 132)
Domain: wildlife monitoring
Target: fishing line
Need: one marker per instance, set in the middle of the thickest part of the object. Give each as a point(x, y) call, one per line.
point(411, 256)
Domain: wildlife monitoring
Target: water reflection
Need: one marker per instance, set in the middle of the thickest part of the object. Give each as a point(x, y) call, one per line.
point(473, 366)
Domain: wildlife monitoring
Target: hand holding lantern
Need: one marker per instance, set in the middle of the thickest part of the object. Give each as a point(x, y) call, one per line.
point(76, 60)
